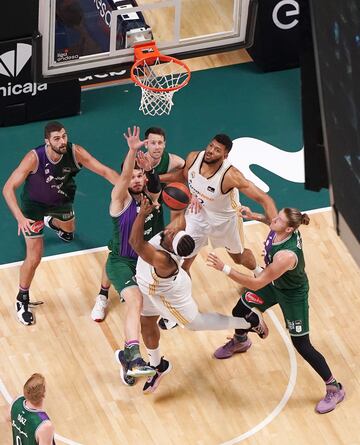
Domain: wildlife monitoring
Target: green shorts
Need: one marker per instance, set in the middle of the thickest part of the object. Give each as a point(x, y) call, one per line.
point(121, 272)
point(37, 211)
point(294, 306)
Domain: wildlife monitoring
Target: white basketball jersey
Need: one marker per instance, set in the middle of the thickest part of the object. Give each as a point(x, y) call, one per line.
point(151, 284)
point(208, 190)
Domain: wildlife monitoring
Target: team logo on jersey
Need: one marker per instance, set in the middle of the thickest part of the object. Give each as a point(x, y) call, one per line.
point(298, 326)
point(253, 298)
point(295, 325)
point(37, 226)
point(211, 189)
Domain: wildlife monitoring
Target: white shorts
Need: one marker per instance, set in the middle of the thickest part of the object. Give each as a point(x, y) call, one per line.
point(175, 304)
point(225, 233)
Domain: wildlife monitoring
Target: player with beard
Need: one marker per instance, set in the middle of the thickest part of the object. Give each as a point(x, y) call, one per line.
point(213, 214)
point(120, 266)
point(48, 194)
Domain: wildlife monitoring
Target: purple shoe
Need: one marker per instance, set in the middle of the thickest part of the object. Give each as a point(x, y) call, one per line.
point(334, 395)
point(232, 347)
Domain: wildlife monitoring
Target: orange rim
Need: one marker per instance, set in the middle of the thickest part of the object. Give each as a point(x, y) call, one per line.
point(149, 53)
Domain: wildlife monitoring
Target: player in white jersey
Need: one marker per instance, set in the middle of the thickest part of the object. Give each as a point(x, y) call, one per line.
point(166, 289)
point(214, 212)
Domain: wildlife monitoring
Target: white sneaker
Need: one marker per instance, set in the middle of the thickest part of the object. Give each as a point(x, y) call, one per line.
point(98, 311)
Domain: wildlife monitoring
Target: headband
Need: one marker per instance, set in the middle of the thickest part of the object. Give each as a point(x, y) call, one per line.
point(176, 240)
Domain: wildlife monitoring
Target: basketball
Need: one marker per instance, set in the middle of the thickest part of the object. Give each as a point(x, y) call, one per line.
point(176, 196)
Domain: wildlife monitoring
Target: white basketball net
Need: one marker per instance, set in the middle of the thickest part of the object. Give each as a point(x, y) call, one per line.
point(159, 75)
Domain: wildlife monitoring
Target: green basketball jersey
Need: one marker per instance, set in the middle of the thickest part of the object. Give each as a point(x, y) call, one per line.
point(295, 278)
point(25, 421)
point(163, 166)
point(122, 225)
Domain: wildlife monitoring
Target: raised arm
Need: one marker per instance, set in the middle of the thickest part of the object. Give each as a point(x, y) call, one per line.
point(282, 262)
point(180, 174)
point(162, 261)
point(175, 162)
point(234, 178)
point(120, 192)
point(18, 176)
point(84, 158)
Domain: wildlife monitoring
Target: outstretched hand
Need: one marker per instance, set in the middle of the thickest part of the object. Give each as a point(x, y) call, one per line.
point(143, 161)
point(215, 262)
point(245, 212)
point(133, 138)
point(145, 206)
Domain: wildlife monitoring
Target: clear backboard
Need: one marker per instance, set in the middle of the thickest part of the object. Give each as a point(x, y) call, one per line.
point(77, 37)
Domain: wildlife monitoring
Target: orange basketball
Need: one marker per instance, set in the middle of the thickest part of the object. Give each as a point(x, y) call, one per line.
point(176, 196)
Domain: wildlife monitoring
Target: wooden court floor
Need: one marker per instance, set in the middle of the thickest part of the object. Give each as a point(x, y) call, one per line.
point(203, 401)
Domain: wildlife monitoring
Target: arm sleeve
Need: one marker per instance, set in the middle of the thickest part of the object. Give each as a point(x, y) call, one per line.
point(153, 184)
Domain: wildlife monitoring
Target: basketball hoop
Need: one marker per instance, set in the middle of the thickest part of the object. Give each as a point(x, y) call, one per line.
point(159, 77)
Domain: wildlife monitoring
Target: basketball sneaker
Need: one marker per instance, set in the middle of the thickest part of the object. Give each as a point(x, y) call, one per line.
point(23, 312)
point(138, 368)
point(258, 324)
point(120, 358)
point(334, 395)
point(233, 346)
point(65, 236)
point(99, 310)
point(166, 324)
point(153, 382)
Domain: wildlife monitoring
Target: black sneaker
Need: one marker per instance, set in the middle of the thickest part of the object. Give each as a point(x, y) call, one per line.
point(23, 312)
point(258, 324)
point(153, 382)
point(65, 236)
point(120, 358)
point(166, 324)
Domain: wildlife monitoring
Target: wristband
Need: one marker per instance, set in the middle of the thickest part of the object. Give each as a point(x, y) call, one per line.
point(226, 269)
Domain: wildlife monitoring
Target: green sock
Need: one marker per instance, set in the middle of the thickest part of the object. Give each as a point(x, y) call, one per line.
point(132, 350)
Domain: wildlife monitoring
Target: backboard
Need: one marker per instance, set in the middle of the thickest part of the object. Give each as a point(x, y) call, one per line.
point(77, 37)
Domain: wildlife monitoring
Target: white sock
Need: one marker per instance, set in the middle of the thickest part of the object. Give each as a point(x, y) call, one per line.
point(154, 356)
point(257, 271)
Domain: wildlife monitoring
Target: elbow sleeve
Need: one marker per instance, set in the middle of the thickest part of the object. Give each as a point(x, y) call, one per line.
point(153, 184)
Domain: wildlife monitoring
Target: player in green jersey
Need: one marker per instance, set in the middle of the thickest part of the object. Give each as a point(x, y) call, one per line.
point(120, 267)
point(30, 423)
point(162, 162)
point(47, 173)
point(284, 282)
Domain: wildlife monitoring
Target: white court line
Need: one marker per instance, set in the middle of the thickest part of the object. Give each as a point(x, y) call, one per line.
point(104, 248)
point(289, 389)
point(57, 257)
